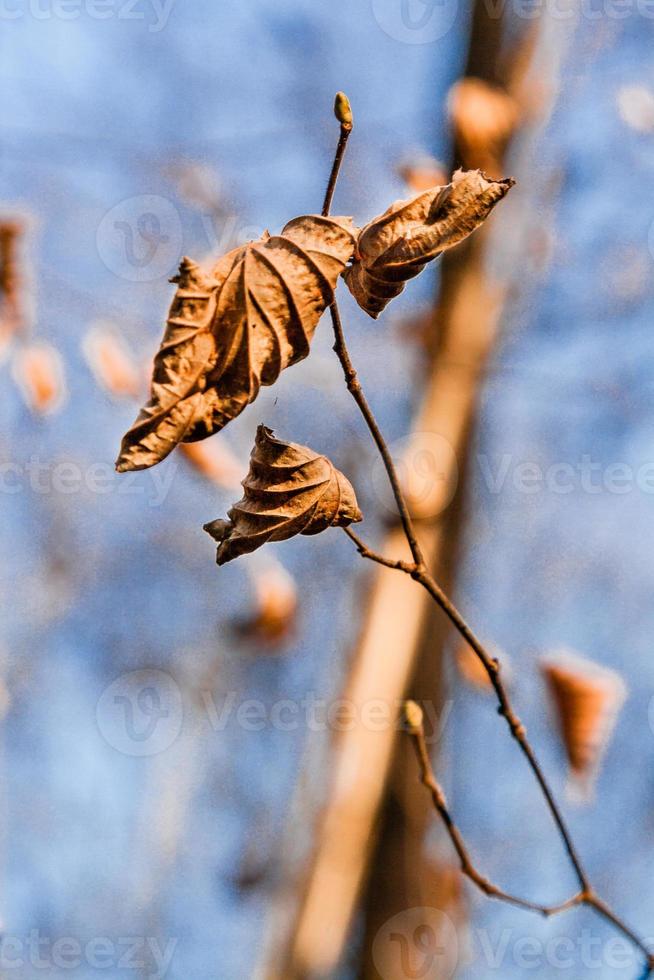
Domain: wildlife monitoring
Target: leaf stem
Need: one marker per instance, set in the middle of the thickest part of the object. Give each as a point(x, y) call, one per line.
point(418, 571)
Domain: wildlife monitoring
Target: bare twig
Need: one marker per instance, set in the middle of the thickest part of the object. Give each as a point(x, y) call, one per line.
point(418, 571)
point(354, 387)
point(365, 552)
point(343, 113)
point(414, 721)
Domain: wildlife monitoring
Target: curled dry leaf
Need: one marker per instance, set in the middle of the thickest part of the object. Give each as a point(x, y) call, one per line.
point(289, 490)
point(236, 328)
point(397, 245)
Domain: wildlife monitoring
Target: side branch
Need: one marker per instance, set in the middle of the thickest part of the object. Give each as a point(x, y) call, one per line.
point(414, 723)
point(365, 552)
point(492, 668)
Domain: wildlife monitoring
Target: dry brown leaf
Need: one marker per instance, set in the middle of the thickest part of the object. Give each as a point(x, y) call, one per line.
point(289, 490)
point(397, 245)
point(236, 328)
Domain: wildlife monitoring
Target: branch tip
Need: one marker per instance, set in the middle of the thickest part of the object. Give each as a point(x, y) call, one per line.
point(413, 717)
point(343, 110)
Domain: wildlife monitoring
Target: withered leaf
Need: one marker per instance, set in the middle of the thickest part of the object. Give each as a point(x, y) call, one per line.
point(235, 328)
point(289, 490)
point(397, 245)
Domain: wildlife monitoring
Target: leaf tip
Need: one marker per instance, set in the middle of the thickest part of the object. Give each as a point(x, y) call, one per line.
point(123, 463)
point(217, 529)
point(343, 110)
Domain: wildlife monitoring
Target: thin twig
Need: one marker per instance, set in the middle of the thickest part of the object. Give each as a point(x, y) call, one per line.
point(492, 668)
point(355, 389)
point(365, 552)
point(418, 571)
point(413, 715)
point(586, 895)
point(336, 166)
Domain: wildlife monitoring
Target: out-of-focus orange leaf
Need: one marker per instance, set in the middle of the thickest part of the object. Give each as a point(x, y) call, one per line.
point(215, 461)
point(636, 107)
point(13, 289)
point(588, 698)
point(276, 603)
point(111, 361)
point(423, 172)
point(473, 671)
point(38, 370)
point(483, 120)
point(197, 184)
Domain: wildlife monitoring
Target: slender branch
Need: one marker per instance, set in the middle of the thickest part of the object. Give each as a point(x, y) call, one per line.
point(365, 552)
point(594, 902)
point(414, 720)
point(418, 571)
point(343, 113)
point(586, 895)
point(492, 667)
point(333, 177)
point(354, 387)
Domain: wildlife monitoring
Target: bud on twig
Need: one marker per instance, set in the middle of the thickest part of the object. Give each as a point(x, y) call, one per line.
point(413, 716)
point(343, 110)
